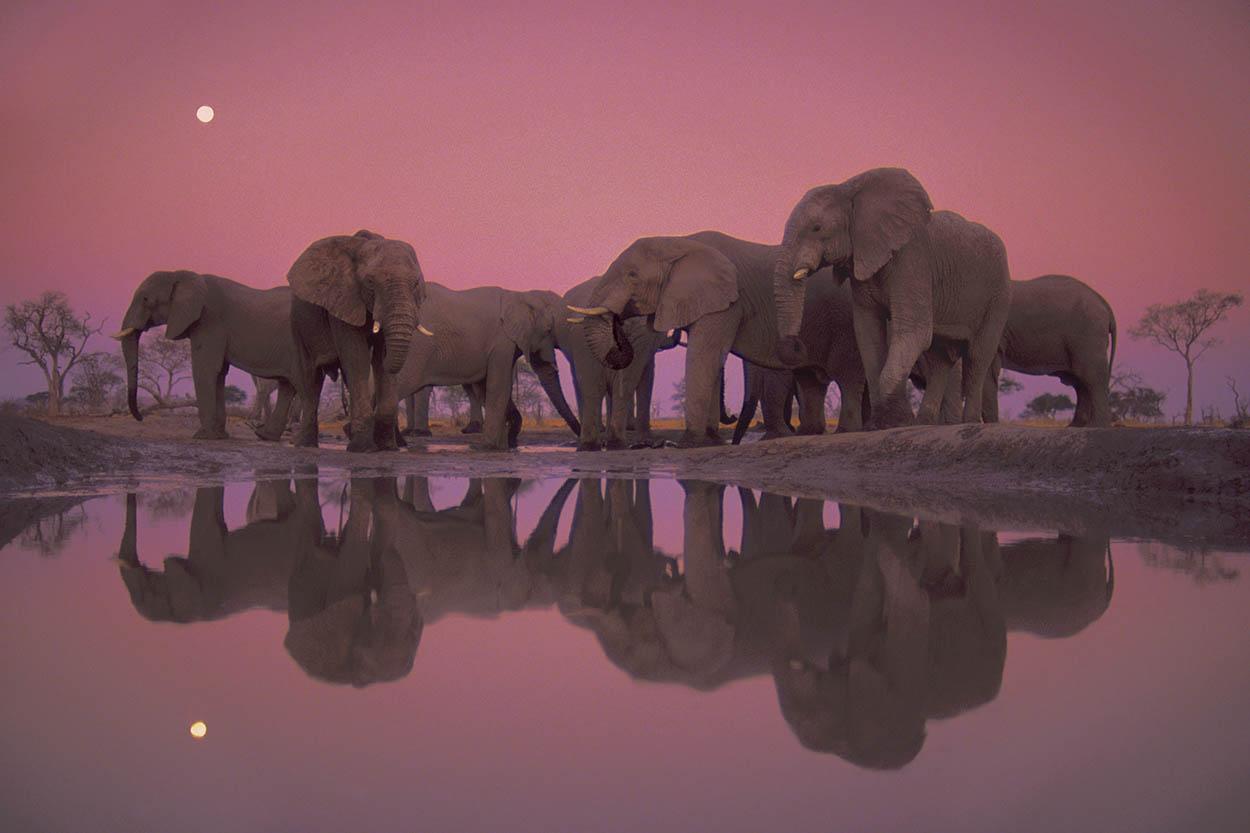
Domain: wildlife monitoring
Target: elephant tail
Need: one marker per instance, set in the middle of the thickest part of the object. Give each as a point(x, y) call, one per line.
point(749, 401)
point(726, 418)
point(1112, 330)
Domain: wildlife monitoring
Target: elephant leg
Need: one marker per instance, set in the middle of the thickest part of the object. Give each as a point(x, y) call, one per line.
point(938, 366)
point(419, 412)
point(870, 337)
point(308, 382)
point(989, 396)
point(591, 392)
point(811, 402)
point(208, 370)
point(952, 407)
point(642, 398)
point(354, 363)
point(982, 351)
point(477, 395)
point(1082, 414)
point(275, 424)
point(498, 404)
point(851, 394)
point(620, 402)
point(710, 339)
point(385, 406)
point(1094, 379)
point(774, 388)
point(908, 339)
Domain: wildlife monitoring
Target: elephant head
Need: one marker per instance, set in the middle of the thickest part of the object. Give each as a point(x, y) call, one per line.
point(174, 300)
point(363, 279)
point(672, 279)
point(855, 227)
point(529, 321)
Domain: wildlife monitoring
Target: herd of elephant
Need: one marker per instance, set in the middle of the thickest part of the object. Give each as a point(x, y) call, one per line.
point(869, 287)
point(868, 629)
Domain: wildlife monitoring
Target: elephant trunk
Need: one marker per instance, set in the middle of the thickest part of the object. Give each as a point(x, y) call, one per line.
point(130, 353)
point(789, 291)
point(399, 322)
point(726, 418)
point(605, 335)
point(549, 376)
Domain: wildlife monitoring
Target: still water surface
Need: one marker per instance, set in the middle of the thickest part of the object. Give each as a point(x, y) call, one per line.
point(443, 654)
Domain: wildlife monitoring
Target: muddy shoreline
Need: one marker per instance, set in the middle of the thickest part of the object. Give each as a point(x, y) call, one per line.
point(1190, 486)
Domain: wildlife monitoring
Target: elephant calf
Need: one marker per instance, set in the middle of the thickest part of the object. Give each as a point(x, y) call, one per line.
point(228, 324)
point(1056, 326)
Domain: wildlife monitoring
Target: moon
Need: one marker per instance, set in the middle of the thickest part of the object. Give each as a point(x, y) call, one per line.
point(198, 728)
point(204, 114)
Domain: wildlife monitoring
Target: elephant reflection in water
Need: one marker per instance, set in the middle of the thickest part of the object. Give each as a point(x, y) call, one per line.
point(352, 617)
point(868, 630)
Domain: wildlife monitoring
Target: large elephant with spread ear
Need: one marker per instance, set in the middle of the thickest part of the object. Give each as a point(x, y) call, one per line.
point(228, 324)
point(916, 275)
point(716, 287)
point(356, 306)
point(480, 334)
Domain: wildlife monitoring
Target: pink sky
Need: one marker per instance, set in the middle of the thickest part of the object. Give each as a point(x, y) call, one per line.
point(526, 144)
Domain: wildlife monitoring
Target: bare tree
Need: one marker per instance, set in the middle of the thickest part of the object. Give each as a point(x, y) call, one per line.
point(528, 392)
point(49, 331)
point(1181, 328)
point(163, 365)
point(1241, 410)
point(96, 377)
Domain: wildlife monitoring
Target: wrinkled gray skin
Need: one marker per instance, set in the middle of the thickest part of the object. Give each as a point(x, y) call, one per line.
point(626, 389)
point(478, 335)
point(344, 287)
point(418, 405)
point(263, 405)
point(928, 274)
point(1057, 326)
point(352, 617)
point(228, 324)
point(716, 287)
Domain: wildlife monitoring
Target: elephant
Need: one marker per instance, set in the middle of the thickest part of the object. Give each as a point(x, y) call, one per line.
point(716, 287)
point(418, 405)
point(627, 389)
point(916, 275)
point(1057, 326)
point(355, 307)
point(352, 617)
point(263, 406)
point(482, 331)
point(227, 324)
point(828, 338)
point(1056, 587)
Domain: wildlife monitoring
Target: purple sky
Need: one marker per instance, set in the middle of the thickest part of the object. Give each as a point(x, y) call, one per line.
point(527, 144)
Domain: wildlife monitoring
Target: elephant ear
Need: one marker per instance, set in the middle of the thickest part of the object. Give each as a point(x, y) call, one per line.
point(325, 275)
point(186, 304)
point(889, 205)
point(700, 281)
point(527, 321)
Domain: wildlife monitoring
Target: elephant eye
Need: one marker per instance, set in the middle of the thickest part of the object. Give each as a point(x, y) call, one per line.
point(816, 227)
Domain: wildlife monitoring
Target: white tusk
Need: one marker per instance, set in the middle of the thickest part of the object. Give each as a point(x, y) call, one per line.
point(123, 333)
point(423, 331)
point(575, 320)
point(594, 312)
point(801, 274)
point(377, 327)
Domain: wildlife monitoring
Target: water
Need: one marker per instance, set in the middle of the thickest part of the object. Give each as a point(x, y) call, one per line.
point(624, 655)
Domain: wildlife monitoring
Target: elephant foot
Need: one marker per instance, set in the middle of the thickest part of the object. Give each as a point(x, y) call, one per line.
point(361, 443)
point(263, 433)
point(306, 440)
point(210, 434)
point(589, 446)
point(473, 427)
point(386, 436)
point(775, 435)
point(616, 444)
point(649, 442)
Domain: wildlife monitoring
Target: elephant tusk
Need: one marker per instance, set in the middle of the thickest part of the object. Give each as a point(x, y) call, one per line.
point(593, 312)
point(120, 335)
point(801, 274)
point(575, 320)
point(423, 331)
point(377, 327)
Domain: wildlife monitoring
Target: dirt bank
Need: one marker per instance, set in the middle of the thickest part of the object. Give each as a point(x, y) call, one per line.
point(1164, 482)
